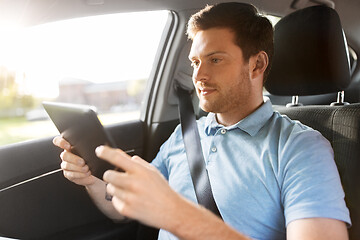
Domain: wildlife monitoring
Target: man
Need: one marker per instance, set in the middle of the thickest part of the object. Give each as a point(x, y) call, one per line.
point(265, 185)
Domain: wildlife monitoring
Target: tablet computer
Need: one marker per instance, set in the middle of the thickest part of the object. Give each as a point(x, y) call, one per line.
point(80, 126)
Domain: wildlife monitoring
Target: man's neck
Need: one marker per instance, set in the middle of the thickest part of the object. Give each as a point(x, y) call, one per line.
point(232, 117)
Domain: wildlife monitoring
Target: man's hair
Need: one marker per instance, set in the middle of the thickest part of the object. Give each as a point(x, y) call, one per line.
point(253, 31)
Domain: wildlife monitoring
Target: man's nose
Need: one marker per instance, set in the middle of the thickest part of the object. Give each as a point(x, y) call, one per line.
point(200, 73)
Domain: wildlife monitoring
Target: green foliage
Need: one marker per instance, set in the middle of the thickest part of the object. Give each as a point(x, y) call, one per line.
point(7, 125)
point(18, 129)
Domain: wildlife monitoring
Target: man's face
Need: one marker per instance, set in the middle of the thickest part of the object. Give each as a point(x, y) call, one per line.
point(221, 76)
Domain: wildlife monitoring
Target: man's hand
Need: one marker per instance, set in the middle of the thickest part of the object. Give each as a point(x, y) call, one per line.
point(73, 166)
point(141, 192)
point(76, 170)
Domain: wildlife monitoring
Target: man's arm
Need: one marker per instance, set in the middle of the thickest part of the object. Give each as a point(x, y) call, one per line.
point(312, 189)
point(142, 193)
point(317, 228)
point(75, 170)
point(97, 192)
point(194, 222)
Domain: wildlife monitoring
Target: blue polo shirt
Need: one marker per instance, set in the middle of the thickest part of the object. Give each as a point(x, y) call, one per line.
point(265, 171)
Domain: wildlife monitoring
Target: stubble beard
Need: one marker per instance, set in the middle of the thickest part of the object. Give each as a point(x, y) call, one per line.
point(234, 97)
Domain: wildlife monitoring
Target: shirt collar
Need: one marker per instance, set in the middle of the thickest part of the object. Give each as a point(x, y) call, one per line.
point(251, 124)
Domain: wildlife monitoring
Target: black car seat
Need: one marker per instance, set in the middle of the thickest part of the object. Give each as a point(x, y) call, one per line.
point(310, 58)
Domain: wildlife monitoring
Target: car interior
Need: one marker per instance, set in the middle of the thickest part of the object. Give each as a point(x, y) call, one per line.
point(306, 72)
point(314, 79)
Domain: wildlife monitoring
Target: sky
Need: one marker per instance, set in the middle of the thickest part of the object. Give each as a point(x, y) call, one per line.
point(105, 48)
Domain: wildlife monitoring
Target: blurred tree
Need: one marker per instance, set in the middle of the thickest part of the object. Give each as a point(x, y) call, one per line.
point(10, 96)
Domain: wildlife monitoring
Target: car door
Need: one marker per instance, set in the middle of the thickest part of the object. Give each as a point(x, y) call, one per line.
point(37, 202)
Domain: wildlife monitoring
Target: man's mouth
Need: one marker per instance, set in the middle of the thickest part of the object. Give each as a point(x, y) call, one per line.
point(204, 91)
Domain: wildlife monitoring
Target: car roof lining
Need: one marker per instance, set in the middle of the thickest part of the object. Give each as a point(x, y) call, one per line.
point(33, 12)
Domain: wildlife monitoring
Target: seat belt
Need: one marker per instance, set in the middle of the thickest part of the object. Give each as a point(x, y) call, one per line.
point(195, 157)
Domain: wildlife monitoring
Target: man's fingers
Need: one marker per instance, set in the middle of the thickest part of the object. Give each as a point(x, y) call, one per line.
point(120, 199)
point(118, 179)
point(67, 166)
point(73, 176)
point(115, 191)
point(72, 158)
point(119, 206)
point(61, 143)
point(83, 179)
point(142, 162)
point(116, 157)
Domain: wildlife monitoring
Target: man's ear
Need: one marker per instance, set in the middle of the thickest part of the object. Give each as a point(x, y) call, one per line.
point(258, 63)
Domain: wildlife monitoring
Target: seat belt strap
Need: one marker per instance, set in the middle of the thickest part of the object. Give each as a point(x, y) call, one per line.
point(195, 157)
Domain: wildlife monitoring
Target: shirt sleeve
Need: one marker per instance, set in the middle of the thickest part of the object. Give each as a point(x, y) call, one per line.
point(161, 159)
point(311, 183)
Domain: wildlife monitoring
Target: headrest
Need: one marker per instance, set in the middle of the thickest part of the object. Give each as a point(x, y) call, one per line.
point(310, 54)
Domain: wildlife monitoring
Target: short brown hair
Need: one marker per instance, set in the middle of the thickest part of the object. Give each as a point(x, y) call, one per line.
point(253, 31)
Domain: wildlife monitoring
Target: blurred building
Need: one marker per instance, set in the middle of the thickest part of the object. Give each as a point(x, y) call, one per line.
point(105, 96)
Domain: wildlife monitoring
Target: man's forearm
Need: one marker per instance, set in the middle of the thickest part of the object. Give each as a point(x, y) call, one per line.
point(97, 192)
point(195, 222)
point(142, 193)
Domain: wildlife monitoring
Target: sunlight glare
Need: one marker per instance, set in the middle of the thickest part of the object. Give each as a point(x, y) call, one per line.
point(99, 49)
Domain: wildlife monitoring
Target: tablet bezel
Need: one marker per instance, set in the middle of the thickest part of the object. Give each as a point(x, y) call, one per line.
point(80, 126)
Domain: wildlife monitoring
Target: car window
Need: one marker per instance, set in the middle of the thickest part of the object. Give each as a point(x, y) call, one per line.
point(273, 19)
point(103, 61)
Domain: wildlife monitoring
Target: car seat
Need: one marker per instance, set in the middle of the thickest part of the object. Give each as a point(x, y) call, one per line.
point(311, 58)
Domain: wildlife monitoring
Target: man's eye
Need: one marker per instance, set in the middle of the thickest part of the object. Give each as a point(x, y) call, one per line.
point(195, 64)
point(215, 60)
